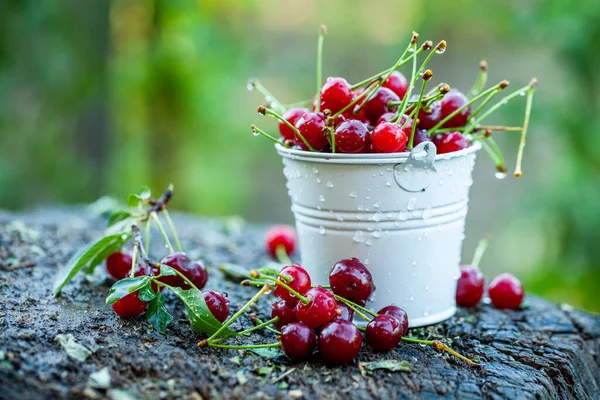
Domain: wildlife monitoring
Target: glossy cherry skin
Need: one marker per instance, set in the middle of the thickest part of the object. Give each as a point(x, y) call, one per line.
point(344, 312)
point(383, 333)
point(452, 101)
point(298, 341)
point(292, 116)
point(284, 311)
point(179, 261)
point(389, 138)
point(397, 83)
point(339, 342)
point(469, 287)
point(378, 104)
point(399, 314)
point(389, 115)
point(335, 95)
point(428, 118)
point(450, 142)
point(118, 264)
point(197, 274)
point(351, 136)
point(313, 127)
point(300, 283)
point(421, 136)
point(280, 235)
point(321, 309)
point(217, 304)
point(506, 292)
point(129, 306)
point(351, 280)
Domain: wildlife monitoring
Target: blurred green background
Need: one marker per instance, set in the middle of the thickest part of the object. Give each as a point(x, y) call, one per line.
point(100, 97)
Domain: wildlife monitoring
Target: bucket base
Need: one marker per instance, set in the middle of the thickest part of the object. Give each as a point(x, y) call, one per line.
point(418, 322)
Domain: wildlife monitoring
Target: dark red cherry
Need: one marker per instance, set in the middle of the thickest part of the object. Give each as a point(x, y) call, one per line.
point(129, 306)
point(320, 310)
point(506, 292)
point(351, 280)
point(292, 116)
point(217, 304)
point(450, 142)
point(313, 127)
point(197, 274)
point(378, 104)
point(335, 95)
point(118, 264)
point(280, 235)
point(179, 261)
point(300, 283)
point(284, 311)
point(397, 83)
point(339, 342)
point(470, 286)
point(429, 117)
point(351, 136)
point(344, 312)
point(383, 333)
point(389, 138)
point(421, 136)
point(452, 101)
point(298, 341)
point(399, 314)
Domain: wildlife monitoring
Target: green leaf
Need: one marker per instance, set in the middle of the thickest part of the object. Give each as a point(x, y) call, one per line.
point(135, 198)
point(132, 200)
point(234, 272)
point(147, 293)
point(124, 287)
point(103, 255)
point(165, 270)
point(117, 216)
point(144, 193)
point(92, 252)
point(390, 365)
point(199, 315)
point(157, 314)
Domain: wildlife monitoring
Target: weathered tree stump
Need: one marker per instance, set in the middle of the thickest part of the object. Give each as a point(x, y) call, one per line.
point(545, 351)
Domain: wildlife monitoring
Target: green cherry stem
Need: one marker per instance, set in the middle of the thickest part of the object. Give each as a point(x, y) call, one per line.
point(411, 85)
point(282, 255)
point(480, 250)
point(246, 346)
point(161, 228)
point(354, 307)
point(269, 98)
point(254, 328)
point(266, 271)
point(532, 85)
point(481, 80)
point(490, 146)
point(332, 141)
point(185, 278)
point(256, 131)
point(369, 90)
point(426, 78)
point(258, 321)
point(304, 103)
point(440, 346)
point(267, 111)
point(134, 255)
point(483, 104)
point(265, 289)
point(172, 229)
point(147, 235)
point(303, 299)
point(322, 33)
point(353, 304)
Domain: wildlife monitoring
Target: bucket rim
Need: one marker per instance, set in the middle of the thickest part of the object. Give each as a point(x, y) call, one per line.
point(364, 158)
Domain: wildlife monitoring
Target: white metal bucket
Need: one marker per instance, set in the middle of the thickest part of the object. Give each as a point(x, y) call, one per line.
point(402, 215)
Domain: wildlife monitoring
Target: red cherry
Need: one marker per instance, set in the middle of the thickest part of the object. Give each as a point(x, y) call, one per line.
point(284, 311)
point(339, 342)
point(344, 312)
point(351, 136)
point(470, 286)
point(197, 274)
point(292, 116)
point(378, 104)
point(428, 118)
point(397, 83)
point(383, 333)
point(298, 341)
point(217, 304)
point(399, 314)
point(179, 261)
point(321, 309)
point(118, 265)
point(452, 101)
point(300, 283)
point(351, 280)
point(450, 142)
point(506, 292)
point(129, 306)
point(421, 136)
point(335, 95)
point(389, 138)
point(280, 235)
point(313, 127)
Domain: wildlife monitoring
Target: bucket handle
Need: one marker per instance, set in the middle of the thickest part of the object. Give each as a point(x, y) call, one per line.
point(421, 162)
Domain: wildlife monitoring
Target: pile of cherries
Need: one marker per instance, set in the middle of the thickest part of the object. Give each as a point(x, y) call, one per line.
point(373, 125)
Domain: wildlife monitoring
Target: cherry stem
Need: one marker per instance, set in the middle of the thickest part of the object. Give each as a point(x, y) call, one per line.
point(273, 113)
point(358, 98)
point(161, 203)
point(322, 32)
point(254, 328)
point(355, 307)
point(246, 346)
point(332, 132)
point(480, 251)
point(269, 98)
point(482, 105)
point(160, 227)
point(481, 80)
point(412, 82)
point(492, 149)
point(346, 301)
point(258, 321)
point(136, 246)
point(172, 228)
point(440, 346)
point(298, 104)
point(303, 299)
point(416, 114)
point(257, 130)
point(147, 235)
point(183, 277)
point(518, 172)
point(266, 271)
point(282, 255)
point(499, 128)
point(265, 289)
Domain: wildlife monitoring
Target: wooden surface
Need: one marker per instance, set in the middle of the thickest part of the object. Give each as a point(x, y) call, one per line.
point(545, 351)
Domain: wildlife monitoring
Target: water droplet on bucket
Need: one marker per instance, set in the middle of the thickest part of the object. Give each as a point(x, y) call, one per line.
point(360, 207)
point(359, 237)
point(411, 298)
point(318, 180)
point(353, 195)
point(441, 181)
point(315, 171)
point(403, 216)
point(426, 287)
point(427, 213)
point(321, 198)
point(329, 184)
point(377, 217)
point(377, 233)
point(414, 262)
point(322, 230)
point(388, 184)
point(377, 204)
point(412, 202)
